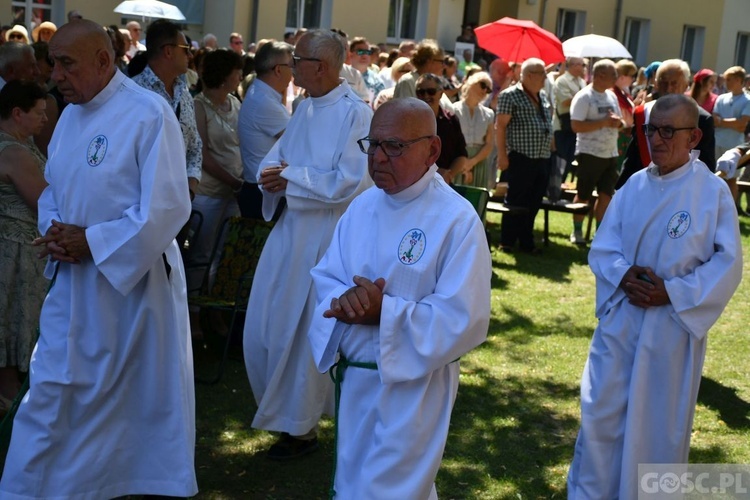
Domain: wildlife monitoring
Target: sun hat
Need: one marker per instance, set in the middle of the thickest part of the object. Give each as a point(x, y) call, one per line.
point(46, 25)
point(17, 29)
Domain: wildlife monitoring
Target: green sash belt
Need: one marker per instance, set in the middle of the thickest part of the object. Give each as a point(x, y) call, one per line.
point(337, 375)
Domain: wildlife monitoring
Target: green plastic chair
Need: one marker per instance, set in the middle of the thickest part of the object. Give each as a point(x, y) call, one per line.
point(243, 242)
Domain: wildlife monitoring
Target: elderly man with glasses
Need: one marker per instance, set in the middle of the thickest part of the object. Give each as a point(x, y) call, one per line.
point(168, 58)
point(396, 314)
point(316, 165)
point(667, 259)
point(134, 28)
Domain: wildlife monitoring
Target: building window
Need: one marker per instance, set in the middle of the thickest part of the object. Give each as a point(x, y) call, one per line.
point(402, 19)
point(742, 50)
point(636, 38)
point(303, 14)
point(692, 46)
point(570, 23)
point(31, 13)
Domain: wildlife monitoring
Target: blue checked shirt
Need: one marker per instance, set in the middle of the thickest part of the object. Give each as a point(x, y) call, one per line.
point(529, 131)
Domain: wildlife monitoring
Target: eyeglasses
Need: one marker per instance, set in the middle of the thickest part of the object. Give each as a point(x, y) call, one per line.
point(441, 61)
point(236, 42)
point(390, 148)
point(16, 36)
point(429, 92)
point(485, 87)
point(283, 64)
point(297, 59)
point(186, 48)
point(363, 52)
point(665, 132)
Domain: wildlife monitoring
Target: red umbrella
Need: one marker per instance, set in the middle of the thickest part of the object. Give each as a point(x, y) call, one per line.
point(515, 41)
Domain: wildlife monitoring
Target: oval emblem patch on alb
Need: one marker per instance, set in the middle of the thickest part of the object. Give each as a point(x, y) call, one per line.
point(678, 224)
point(97, 150)
point(412, 245)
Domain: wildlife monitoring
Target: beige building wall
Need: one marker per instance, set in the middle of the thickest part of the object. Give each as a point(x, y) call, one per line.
point(101, 11)
point(271, 19)
point(369, 20)
point(668, 20)
point(736, 19)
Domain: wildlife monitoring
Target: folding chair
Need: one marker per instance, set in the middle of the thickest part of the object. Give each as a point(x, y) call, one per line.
point(478, 197)
point(243, 242)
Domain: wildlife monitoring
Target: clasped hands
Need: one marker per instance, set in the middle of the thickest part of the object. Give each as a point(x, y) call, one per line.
point(359, 305)
point(271, 180)
point(64, 243)
point(640, 292)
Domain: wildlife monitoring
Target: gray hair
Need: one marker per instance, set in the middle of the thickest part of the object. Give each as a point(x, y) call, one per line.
point(269, 55)
point(670, 101)
point(603, 65)
point(530, 64)
point(328, 46)
point(13, 52)
point(672, 64)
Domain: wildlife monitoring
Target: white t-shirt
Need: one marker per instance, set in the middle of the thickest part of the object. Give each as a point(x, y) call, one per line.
point(590, 105)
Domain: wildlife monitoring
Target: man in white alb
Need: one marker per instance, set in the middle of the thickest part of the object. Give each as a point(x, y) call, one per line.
point(667, 259)
point(403, 292)
point(318, 167)
point(111, 407)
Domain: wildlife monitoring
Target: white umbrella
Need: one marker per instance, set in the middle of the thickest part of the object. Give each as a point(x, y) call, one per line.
point(150, 8)
point(594, 46)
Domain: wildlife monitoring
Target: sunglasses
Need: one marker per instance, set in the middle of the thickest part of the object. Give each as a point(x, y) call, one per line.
point(363, 52)
point(485, 87)
point(186, 48)
point(16, 36)
point(429, 92)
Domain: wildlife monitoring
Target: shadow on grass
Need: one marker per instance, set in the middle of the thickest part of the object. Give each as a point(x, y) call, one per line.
point(521, 329)
point(509, 431)
point(711, 455)
point(231, 458)
point(744, 226)
point(732, 409)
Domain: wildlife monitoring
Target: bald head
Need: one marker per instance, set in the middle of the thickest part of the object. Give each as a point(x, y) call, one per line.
point(84, 60)
point(412, 115)
point(407, 129)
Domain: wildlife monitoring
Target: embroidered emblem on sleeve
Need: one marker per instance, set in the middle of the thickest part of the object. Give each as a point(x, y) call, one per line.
point(97, 150)
point(412, 246)
point(678, 224)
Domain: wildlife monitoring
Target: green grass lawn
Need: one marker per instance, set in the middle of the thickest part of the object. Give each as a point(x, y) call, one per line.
point(516, 417)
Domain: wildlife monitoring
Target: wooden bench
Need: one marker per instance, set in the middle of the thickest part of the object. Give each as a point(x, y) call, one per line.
point(568, 208)
point(496, 205)
point(743, 186)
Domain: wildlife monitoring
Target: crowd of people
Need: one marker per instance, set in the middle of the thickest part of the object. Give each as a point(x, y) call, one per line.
point(352, 149)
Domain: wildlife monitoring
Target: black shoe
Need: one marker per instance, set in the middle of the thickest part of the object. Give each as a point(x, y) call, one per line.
point(289, 448)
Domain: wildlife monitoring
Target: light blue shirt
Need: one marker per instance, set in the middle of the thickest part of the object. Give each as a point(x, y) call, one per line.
point(730, 106)
point(262, 117)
